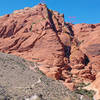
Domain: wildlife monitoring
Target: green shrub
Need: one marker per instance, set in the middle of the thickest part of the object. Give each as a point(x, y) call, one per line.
point(80, 90)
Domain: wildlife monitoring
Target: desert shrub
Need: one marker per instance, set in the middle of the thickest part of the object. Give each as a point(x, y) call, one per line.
point(81, 91)
point(79, 42)
point(32, 26)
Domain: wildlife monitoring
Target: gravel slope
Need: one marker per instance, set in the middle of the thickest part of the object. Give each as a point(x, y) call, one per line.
point(18, 81)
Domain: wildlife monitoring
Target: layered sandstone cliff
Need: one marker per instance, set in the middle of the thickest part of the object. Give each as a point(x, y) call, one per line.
point(64, 51)
point(89, 38)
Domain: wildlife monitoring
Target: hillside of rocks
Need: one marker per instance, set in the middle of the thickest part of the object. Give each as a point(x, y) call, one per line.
point(66, 52)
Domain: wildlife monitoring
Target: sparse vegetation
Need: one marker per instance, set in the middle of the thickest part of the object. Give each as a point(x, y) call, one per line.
point(80, 90)
point(79, 42)
point(32, 26)
point(81, 85)
point(38, 22)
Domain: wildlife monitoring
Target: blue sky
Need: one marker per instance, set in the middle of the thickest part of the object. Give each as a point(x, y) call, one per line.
point(85, 11)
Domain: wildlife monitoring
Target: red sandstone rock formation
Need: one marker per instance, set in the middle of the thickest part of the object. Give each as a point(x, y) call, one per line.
point(88, 36)
point(33, 33)
point(64, 51)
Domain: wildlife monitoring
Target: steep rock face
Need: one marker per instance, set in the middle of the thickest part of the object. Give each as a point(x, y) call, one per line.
point(34, 34)
point(88, 36)
point(89, 42)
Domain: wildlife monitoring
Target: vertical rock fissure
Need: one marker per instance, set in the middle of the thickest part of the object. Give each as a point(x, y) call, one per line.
point(51, 20)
